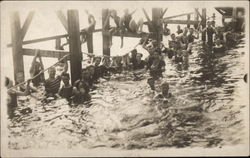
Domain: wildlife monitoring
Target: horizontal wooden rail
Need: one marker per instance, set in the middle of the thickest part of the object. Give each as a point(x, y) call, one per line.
point(47, 38)
point(191, 22)
point(132, 35)
point(175, 16)
point(45, 53)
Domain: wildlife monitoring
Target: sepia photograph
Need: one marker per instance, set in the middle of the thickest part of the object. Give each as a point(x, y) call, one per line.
point(124, 78)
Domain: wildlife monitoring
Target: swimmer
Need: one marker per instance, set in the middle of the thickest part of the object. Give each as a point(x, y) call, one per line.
point(89, 29)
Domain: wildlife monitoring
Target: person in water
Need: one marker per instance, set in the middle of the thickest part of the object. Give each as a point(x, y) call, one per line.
point(156, 67)
point(210, 32)
point(89, 29)
point(166, 30)
point(128, 24)
point(12, 95)
point(53, 83)
point(165, 94)
point(81, 89)
point(35, 69)
point(66, 90)
point(179, 30)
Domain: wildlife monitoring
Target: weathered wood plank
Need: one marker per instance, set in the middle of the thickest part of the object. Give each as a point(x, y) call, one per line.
point(90, 42)
point(191, 22)
point(175, 16)
point(157, 24)
point(16, 39)
point(63, 19)
point(105, 37)
point(204, 21)
point(132, 35)
point(47, 38)
point(45, 53)
point(27, 23)
point(163, 13)
point(74, 45)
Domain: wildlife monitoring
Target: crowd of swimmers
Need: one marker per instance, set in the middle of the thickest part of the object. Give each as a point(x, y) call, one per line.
point(177, 50)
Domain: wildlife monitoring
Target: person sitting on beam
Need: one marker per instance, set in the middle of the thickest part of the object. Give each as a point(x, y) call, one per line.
point(128, 24)
point(89, 29)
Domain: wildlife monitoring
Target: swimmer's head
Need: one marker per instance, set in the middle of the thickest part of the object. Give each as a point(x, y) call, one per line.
point(178, 27)
point(165, 88)
point(113, 13)
point(188, 25)
point(65, 78)
point(97, 60)
point(91, 69)
point(173, 36)
point(8, 83)
point(19, 77)
point(126, 11)
point(52, 72)
point(138, 56)
point(134, 52)
point(191, 31)
point(85, 74)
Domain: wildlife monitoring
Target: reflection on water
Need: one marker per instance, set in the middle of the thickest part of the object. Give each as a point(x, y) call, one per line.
point(204, 110)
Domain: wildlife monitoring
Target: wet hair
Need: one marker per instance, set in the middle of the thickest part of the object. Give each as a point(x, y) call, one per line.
point(7, 81)
point(134, 51)
point(65, 74)
point(165, 85)
point(188, 25)
point(172, 34)
point(140, 54)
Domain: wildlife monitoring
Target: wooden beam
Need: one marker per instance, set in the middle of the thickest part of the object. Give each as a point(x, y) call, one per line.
point(175, 16)
point(157, 24)
point(47, 38)
point(163, 13)
point(74, 45)
point(204, 21)
point(191, 22)
point(105, 37)
point(63, 19)
point(27, 23)
point(197, 11)
point(131, 35)
point(45, 53)
point(188, 19)
point(58, 44)
point(90, 42)
point(16, 39)
point(149, 22)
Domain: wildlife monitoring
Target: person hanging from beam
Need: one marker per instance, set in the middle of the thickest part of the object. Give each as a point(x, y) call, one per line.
point(89, 29)
point(36, 68)
point(12, 96)
point(129, 25)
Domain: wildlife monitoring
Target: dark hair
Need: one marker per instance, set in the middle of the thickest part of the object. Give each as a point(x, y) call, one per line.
point(65, 74)
point(172, 34)
point(188, 25)
point(134, 51)
point(7, 81)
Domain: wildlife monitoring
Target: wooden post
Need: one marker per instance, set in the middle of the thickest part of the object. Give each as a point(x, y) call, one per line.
point(157, 24)
point(90, 42)
point(16, 38)
point(74, 45)
point(234, 16)
point(204, 21)
point(58, 43)
point(196, 18)
point(188, 19)
point(105, 37)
